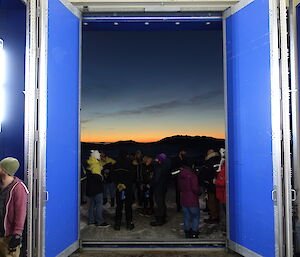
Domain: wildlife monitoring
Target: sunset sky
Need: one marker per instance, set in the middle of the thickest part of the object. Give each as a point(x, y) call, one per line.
point(147, 85)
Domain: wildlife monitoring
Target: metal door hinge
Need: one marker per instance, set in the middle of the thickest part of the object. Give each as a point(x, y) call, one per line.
point(294, 195)
point(274, 195)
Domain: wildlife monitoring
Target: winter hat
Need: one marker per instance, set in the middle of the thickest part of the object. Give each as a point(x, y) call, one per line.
point(222, 152)
point(95, 154)
point(161, 157)
point(9, 165)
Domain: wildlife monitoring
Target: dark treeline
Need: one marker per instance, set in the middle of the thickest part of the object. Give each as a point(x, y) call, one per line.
point(195, 146)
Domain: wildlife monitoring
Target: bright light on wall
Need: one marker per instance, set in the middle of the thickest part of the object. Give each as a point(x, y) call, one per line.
point(2, 77)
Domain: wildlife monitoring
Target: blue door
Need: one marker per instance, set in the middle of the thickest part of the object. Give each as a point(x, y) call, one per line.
point(62, 131)
point(252, 142)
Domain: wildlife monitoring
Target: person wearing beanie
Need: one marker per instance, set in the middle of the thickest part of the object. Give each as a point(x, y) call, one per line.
point(13, 205)
point(94, 190)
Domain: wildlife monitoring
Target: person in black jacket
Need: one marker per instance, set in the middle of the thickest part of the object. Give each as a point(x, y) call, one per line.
point(207, 174)
point(159, 184)
point(147, 170)
point(137, 164)
point(123, 176)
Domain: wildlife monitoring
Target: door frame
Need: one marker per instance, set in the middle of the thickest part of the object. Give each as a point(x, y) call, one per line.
point(36, 121)
point(295, 111)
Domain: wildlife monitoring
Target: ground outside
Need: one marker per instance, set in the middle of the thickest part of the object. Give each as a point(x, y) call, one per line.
point(113, 242)
point(172, 231)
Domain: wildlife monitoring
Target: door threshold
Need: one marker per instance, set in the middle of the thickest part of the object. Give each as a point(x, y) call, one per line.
point(147, 245)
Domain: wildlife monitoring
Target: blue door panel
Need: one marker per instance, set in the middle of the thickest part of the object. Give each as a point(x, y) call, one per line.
point(249, 129)
point(62, 129)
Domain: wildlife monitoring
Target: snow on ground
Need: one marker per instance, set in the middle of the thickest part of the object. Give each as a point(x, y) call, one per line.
point(172, 230)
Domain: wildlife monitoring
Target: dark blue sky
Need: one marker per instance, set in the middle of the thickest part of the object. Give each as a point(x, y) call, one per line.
point(145, 85)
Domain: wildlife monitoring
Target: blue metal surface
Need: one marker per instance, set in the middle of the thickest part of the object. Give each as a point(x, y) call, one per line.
point(160, 25)
point(62, 129)
point(249, 129)
point(11, 4)
point(12, 31)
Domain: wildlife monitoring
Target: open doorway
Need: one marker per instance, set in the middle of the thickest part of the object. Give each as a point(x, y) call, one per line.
point(150, 88)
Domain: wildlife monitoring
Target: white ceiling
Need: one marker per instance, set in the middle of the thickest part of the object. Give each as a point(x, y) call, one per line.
point(152, 5)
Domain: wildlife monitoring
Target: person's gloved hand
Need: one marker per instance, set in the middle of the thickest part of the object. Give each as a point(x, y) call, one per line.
point(14, 242)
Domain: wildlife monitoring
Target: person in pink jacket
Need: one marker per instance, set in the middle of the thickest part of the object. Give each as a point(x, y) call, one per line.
point(13, 205)
point(189, 189)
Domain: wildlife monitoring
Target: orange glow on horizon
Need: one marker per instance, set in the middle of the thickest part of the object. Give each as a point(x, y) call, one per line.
point(94, 138)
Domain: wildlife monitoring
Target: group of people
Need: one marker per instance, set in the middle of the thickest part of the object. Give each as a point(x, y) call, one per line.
point(145, 180)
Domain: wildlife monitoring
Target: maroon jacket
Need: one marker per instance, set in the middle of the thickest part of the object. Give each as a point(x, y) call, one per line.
point(15, 210)
point(189, 187)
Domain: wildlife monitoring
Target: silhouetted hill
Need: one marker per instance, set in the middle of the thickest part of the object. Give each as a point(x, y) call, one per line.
point(196, 146)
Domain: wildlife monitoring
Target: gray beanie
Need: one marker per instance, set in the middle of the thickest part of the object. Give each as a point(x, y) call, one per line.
point(9, 165)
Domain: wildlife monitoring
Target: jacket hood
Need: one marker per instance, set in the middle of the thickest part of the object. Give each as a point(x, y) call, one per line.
point(94, 165)
point(211, 155)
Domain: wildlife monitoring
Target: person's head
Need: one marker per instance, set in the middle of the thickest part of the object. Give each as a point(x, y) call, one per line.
point(102, 155)
point(147, 160)
point(95, 154)
point(138, 155)
point(160, 157)
point(131, 156)
point(182, 154)
point(210, 151)
point(9, 166)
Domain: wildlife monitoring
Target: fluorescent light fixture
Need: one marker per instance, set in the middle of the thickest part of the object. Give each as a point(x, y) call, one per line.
point(177, 23)
point(2, 78)
point(146, 23)
point(208, 23)
point(116, 23)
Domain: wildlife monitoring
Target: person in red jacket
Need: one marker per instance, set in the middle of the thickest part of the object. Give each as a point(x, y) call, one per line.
point(13, 205)
point(220, 183)
point(189, 188)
